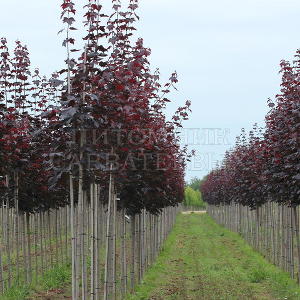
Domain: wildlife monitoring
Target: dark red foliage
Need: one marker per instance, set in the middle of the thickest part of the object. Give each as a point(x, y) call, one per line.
point(110, 105)
point(267, 165)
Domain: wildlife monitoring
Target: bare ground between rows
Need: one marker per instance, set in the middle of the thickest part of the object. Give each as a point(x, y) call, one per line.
point(55, 294)
point(197, 212)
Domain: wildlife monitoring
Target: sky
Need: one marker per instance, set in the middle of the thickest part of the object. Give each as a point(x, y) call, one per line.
point(226, 54)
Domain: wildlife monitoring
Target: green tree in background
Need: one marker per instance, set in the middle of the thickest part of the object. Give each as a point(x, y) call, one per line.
point(196, 183)
point(193, 198)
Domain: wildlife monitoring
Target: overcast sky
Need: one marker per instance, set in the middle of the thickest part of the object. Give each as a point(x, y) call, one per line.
point(226, 52)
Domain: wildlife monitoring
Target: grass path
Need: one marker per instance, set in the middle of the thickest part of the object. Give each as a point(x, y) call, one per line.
point(202, 260)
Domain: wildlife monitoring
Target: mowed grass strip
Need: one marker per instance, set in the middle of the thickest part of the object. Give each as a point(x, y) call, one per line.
point(202, 260)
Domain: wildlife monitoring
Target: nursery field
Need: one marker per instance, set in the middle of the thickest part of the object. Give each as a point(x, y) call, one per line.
point(94, 162)
point(199, 260)
point(202, 260)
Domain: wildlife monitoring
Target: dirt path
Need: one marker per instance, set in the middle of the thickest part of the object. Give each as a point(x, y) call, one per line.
point(57, 294)
point(197, 212)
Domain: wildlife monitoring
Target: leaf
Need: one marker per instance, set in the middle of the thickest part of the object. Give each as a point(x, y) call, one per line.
point(271, 104)
point(68, 113)
point(297, 177)
point(116, 7)
point(62, 30)
point(56, 82)
point(69, 21)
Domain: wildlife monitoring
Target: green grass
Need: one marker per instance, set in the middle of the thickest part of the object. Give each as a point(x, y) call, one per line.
point(57, 277)
point(16, 293)
point(202, 260)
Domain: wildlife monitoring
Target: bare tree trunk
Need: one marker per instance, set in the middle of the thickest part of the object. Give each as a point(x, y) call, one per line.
point(296, 223)
point(25, 265)
point(50, 238)
point(77, 248)
point(2, 287)
point(56, 236)
point(73, 237)
point(35, 241)
point(42, 243)
point(292, 242)
point(97, 241)
point(123, 255)
point(279, 237)
point(114, 258)
point(83, 248)
point(7, 235)
point(132, 264)
point(138, 247)
point(29, 272)
point(92, 246)
point(60, 230)
point(17, 224)
point(109, 281)
point(66, 224)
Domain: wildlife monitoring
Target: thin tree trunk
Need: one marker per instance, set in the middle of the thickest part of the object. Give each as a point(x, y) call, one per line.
point(50, 238)
point(73, 237)
point(97, 242)
point(123, 255)
point(35, 241)
point(17, 235)
point(25, 265)
point(42, 243)
point(56, 236)
point(114, 258)
point(296, 222)
point(132, 264)
point(8, 248)
point(29, 248)
point(109, 280)
point(2, 286)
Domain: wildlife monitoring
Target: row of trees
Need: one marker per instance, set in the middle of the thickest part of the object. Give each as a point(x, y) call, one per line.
point(105, 117)
point(93, 135)
point(263, 166)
